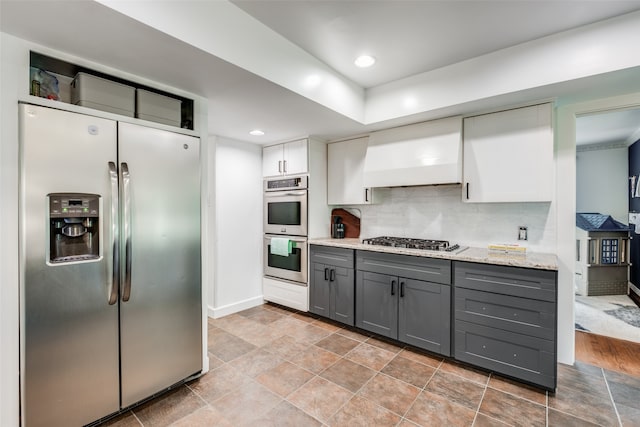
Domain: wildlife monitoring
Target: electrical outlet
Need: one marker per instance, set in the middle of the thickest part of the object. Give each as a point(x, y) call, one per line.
point(522, 233)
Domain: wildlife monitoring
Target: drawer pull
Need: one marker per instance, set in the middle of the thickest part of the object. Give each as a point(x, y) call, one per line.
point(515, 355)
point(484, 346)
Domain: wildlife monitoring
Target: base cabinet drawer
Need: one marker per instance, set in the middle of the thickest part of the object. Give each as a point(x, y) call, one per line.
point(521, 315)
point(411, 267)
point(506, 280)
point(520, 356)
point(337, 257)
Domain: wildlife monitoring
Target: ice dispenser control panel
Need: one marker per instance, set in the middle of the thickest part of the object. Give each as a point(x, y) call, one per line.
point(73, 205)
point(74, 227)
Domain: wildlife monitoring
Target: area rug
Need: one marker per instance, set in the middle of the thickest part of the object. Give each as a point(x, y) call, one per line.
point(614, 316)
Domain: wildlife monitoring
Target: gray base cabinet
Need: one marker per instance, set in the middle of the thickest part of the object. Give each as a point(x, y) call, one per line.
point(331, 287)
point(405, 298)
point(505, 320)
point(424, 315)
point(377, 303)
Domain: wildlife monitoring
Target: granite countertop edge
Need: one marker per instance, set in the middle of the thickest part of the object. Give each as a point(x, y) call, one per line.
point(535, 260)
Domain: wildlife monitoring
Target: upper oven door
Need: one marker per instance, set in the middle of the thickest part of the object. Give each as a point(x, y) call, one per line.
point(285, 212)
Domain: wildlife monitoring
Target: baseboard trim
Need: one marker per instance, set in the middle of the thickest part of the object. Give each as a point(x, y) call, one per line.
point(225, 310)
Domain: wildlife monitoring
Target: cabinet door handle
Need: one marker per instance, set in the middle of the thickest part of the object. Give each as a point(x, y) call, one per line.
point(393, 287)
point(332, 275)
point(401, 289)
point(280, 166)
point(366, 194)
point(467, 186)
point(284, 163)
point(326, 274)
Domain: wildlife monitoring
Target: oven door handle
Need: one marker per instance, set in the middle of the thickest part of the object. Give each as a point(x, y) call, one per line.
point(293, 193)
point(297, 240)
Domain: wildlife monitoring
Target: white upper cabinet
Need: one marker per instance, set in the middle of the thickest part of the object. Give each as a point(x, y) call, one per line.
point(272, 157)
point(285, 159)
point(295, 157)
point(508, 156)
point(345, 167)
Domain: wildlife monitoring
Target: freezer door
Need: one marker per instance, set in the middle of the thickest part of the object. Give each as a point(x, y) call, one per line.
point(69, 333)
point(160, 307)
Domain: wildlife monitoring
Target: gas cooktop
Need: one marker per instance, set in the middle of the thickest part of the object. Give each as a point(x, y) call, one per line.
point(406, 242)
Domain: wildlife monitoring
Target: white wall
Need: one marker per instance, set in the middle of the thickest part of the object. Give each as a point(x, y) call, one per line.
point(12, 62)
point(602, 181)
point(239, 237)
point(437, 212)
point(566, 206)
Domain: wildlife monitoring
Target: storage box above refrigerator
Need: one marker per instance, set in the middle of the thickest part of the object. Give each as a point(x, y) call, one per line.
point(102, 94)
point(158, 108)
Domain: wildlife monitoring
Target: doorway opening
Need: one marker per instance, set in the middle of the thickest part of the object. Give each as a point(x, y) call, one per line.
point(607, 265)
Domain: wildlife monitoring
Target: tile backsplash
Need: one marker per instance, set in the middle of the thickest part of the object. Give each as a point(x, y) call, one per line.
point(437, 212)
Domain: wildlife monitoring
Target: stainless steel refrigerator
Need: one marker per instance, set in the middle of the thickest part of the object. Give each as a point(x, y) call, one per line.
point(110, 278)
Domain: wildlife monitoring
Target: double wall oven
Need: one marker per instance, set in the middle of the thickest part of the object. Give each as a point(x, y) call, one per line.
point(285, 217)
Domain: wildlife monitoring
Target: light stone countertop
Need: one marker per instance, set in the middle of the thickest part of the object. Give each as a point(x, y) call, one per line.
point(540, 261)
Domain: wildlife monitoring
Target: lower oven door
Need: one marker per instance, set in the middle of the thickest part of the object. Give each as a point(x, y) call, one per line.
point(292, 267)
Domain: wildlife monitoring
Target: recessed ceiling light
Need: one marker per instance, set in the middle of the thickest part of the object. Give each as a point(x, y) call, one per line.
point(256, 132)
point(364, 61)
point(312, 81)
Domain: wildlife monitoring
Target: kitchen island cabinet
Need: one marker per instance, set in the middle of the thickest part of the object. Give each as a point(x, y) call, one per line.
point(331, 285)
point(505, 320)
point(405, 298)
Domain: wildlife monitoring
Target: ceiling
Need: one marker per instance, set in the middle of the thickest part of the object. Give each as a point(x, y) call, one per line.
point(410, 37)
point(406, 37)
point(620, 128)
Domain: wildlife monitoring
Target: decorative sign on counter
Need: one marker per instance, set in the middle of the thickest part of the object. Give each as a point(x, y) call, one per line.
point(507, 248)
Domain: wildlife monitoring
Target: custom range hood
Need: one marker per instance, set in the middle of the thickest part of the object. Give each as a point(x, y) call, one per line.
point(426, 153)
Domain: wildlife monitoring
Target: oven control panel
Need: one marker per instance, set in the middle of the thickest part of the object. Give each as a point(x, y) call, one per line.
point(290, 183)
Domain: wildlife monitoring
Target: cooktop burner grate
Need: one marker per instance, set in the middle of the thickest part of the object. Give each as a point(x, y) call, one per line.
point(406, 242)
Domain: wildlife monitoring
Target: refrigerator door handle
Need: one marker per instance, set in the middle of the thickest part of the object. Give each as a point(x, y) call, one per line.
point(126, 194)
point(115, 243)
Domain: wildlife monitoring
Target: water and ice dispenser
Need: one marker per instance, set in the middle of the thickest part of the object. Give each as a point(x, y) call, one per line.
point(74, 224)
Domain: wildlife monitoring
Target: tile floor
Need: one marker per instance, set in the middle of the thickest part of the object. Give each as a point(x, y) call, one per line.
point(270, 366)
